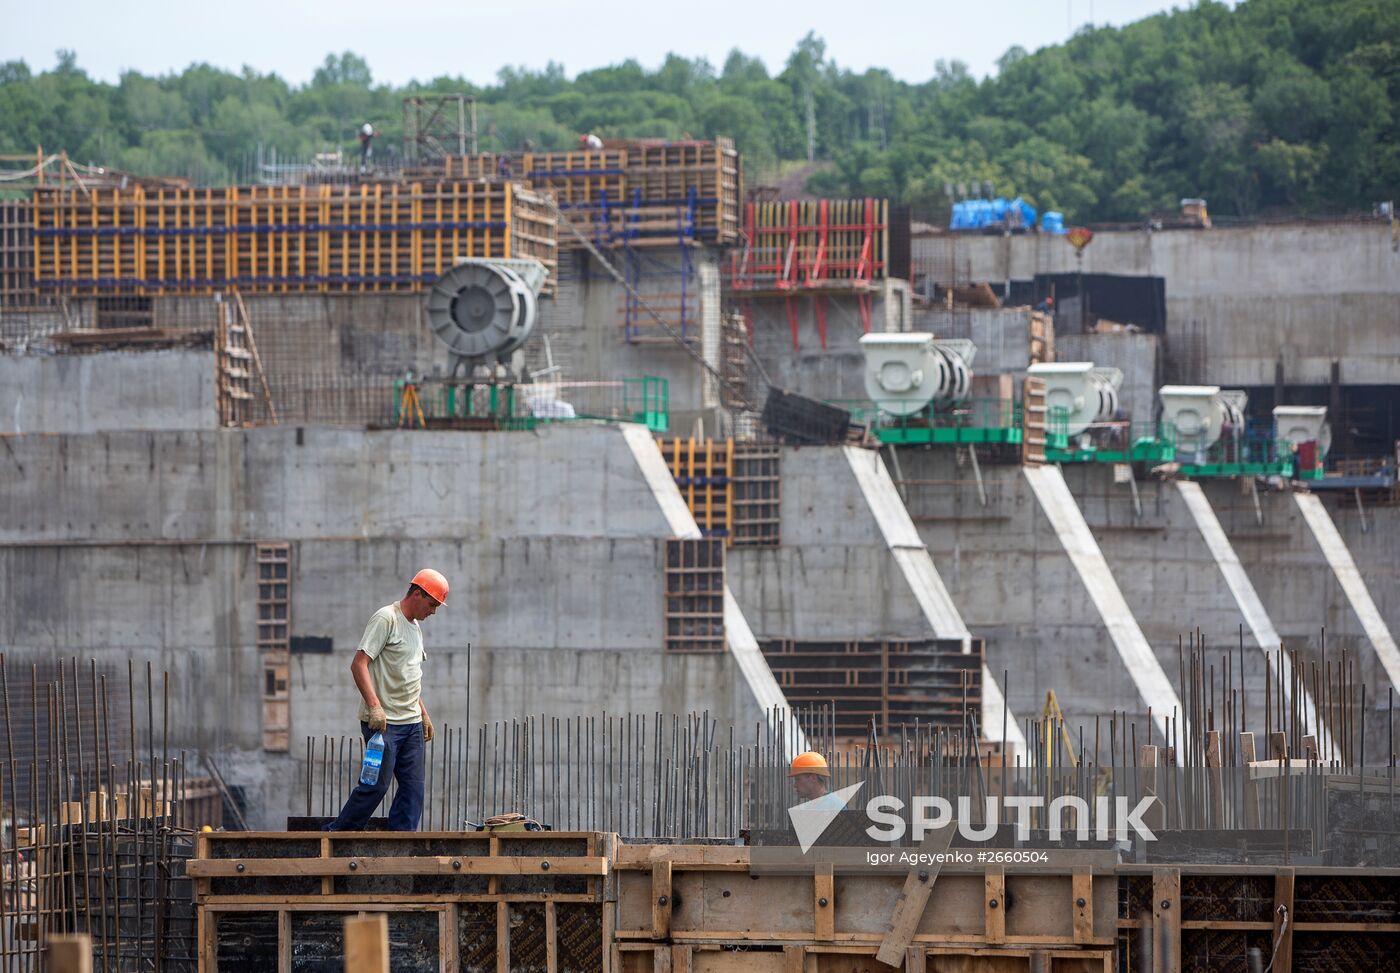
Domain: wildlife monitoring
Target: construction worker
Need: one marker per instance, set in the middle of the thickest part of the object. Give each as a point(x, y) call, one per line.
point(811, 780)
point(388, 672)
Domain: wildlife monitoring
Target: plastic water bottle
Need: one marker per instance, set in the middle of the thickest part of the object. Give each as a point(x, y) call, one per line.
point(374, 756)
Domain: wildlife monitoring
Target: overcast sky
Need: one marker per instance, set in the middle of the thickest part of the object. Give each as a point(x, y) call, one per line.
point(426, 38)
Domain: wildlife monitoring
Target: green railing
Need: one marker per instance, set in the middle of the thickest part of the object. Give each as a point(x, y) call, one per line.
point(1255, 454)
point(1109, 442)
point(644, 400)
point(970, 421)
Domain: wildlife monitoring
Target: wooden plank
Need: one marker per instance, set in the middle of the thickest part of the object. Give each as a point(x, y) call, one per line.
point(994, 903)
point(407, 865)
point(916, 959)
point(909, 907)
point(824, 902)
point(551, 936)
point(327, 883)
point(1283, 921)
point(1082, 890)
point(1250, 795)
point(661, 895)
point(682, 958)
point(69, 953)
point(1166, 920)
point(284, 941)
point(502, 938)
point(367, 944)
point(448, 951)
point(794, 959)
point(1217, 782)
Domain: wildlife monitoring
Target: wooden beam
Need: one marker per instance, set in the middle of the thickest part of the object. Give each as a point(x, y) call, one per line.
point(660, 900)
point(1082, 889)
point(448, 946)
point(1250, 794)
point(1283, 921)
point(408, 865)
point(1166, 920)
point(909, 907)
point(502, 937)
point(994, 903)
point(69, 953)
point(367, 943)
point(916, 959)
point(551, 936)
point(824, 902)
point(284, 941)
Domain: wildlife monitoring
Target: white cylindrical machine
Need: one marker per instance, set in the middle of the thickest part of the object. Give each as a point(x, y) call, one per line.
point(1083, 393)
point(1303, 424)
point(1200, 414)
point(905, 372)
point(485, 309)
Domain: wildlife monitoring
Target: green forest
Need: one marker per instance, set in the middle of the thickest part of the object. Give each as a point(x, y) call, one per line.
point(1274, 106)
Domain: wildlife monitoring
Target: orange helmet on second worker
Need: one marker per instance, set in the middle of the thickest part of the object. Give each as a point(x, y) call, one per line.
point(810, 762)
point(433, 583)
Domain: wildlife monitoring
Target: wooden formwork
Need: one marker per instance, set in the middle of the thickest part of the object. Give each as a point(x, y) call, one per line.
point(586, 902)
point(694, 599)
point(17, 254)
point(891, 682)
point(813, 244)
point(467, 901)
point(281, 239)
point(703, 470)
point(633, 192)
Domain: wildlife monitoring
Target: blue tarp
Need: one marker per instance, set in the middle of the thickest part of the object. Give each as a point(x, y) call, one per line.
point(977, 214)
point(1052, 222)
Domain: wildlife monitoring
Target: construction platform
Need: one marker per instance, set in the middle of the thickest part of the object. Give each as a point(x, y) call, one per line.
point(589, 901)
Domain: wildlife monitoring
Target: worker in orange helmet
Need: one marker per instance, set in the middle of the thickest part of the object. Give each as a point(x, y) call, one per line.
point(811, 780)
point(388, 672)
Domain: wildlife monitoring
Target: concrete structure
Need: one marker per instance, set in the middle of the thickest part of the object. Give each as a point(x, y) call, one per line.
point(851, 566)
point(836, 371)
point(1014, 583)
point(105, 392)
point(1135, 355)
point(1299, 295)
point(1002, 335)
point(141, 544)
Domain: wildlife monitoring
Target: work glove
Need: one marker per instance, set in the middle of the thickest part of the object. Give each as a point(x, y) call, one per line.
point(427, 727)
point(377, 720)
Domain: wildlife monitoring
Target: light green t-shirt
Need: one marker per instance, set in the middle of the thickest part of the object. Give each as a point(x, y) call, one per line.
point(395, 649)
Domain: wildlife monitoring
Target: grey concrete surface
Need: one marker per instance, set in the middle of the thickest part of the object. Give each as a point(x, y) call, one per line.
point(1301, 293)
point(107, 391)
point(141, 544)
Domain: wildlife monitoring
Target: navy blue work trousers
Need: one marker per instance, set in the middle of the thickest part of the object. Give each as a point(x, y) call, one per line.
point(403, 761)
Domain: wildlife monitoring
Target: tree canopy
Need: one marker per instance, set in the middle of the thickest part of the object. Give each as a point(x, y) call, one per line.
point(1273, 105)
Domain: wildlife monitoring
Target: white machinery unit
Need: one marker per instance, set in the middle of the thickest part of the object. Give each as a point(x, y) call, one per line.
point(1304, 424)
point(484, 310)
point(906, 371)
point(1086, 394)
point(1201, 414)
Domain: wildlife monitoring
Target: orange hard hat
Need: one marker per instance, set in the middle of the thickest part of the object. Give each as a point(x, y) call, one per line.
point(810, 762)
point(433, 583)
